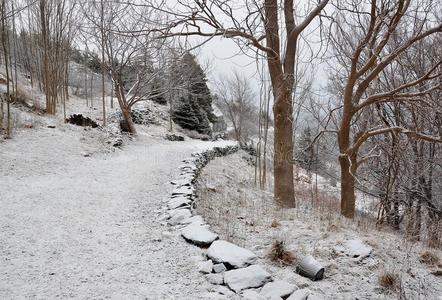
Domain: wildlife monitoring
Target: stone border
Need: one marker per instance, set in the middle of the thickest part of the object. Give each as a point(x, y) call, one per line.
point(227, 264)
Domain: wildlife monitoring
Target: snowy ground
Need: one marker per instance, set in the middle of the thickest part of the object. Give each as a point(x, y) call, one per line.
point(86, 227)
point(243, 214)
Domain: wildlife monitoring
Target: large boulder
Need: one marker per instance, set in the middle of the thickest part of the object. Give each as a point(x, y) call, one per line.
point(276, 289)
point(199, 235)
point(250, 277)
point(230, 254)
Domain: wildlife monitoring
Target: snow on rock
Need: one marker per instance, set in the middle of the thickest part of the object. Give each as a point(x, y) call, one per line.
point(195, 220)
point(215, 278)
point(301, 294)
point(220, 289)
point(354, 248)
point(178, 202)
point(277, 288)
point(205, 267)
point(250, 277)
point(183, 190)
point(315, 297)
point(199, 235)
point(251, 295)
point(178, 215)
point(186, 181)
point(219, 268)
point(230, 254)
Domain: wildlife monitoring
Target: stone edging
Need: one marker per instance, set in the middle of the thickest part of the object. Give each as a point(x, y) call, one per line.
point(227, 264)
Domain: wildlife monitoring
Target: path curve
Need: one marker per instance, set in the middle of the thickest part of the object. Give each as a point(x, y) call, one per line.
point(86, 227)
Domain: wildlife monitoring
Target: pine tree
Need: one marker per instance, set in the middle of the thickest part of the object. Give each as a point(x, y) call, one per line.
point(305, 154)
point(194, 110)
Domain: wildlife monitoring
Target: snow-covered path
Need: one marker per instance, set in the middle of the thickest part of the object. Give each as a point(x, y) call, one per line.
point(85, 227)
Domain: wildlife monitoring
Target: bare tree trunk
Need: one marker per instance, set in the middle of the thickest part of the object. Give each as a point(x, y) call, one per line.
point(348, 197)
point(103, 68)
point(5, 44)
point(283, 161)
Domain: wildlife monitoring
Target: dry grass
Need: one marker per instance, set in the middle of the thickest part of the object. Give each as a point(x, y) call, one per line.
point(275, 224)
point(429, 258)
point(280, 255)
point(388, 279)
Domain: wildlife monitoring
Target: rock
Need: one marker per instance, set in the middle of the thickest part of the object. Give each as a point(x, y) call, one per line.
point(51, 126)
point(174, 137)
point(220, 289)
point(179, 202)
point(277, 289)
point(219, 268)
point(230, 254)
point(354, 248)
point(301, 294)
point(117, 142)
point(302, 282)
point(315, 297)
point(199, 235)
point(178, 215)
point(195, 220)
point(251, 295)
point(182, 182)
point(183, 190)
point(215, 278)
point(246, 278)
point(205, 267)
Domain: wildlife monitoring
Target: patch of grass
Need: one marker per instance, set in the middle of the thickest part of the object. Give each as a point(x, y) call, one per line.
point(388, 279)
point(429, 258)
point(275, 224)
point(280, 255)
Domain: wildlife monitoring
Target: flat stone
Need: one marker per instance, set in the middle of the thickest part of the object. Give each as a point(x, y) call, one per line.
point(277, 288)
point(195, 220)
point(220, 289)
point(178, 202)
point(301, 294)
point(215, 278)
point(251, 295)
point(219, 268)
point(178, 215)
point(199, 235)
point(182, 190)
point(230, 254)
point(355, 248)
point(250, 277)
point(205, 267)
point(187, 181)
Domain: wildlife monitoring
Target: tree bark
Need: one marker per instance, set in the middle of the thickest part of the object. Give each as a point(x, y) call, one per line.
point(348, 197)
point(283, 161)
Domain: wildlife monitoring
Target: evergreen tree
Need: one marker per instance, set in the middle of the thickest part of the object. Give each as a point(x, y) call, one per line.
point(193, 110)
point(305, 154)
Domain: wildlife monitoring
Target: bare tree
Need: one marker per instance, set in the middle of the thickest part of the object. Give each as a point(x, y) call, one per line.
point(236, 97)
point(126, 53)
point(368, 40)
point(6, 50)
